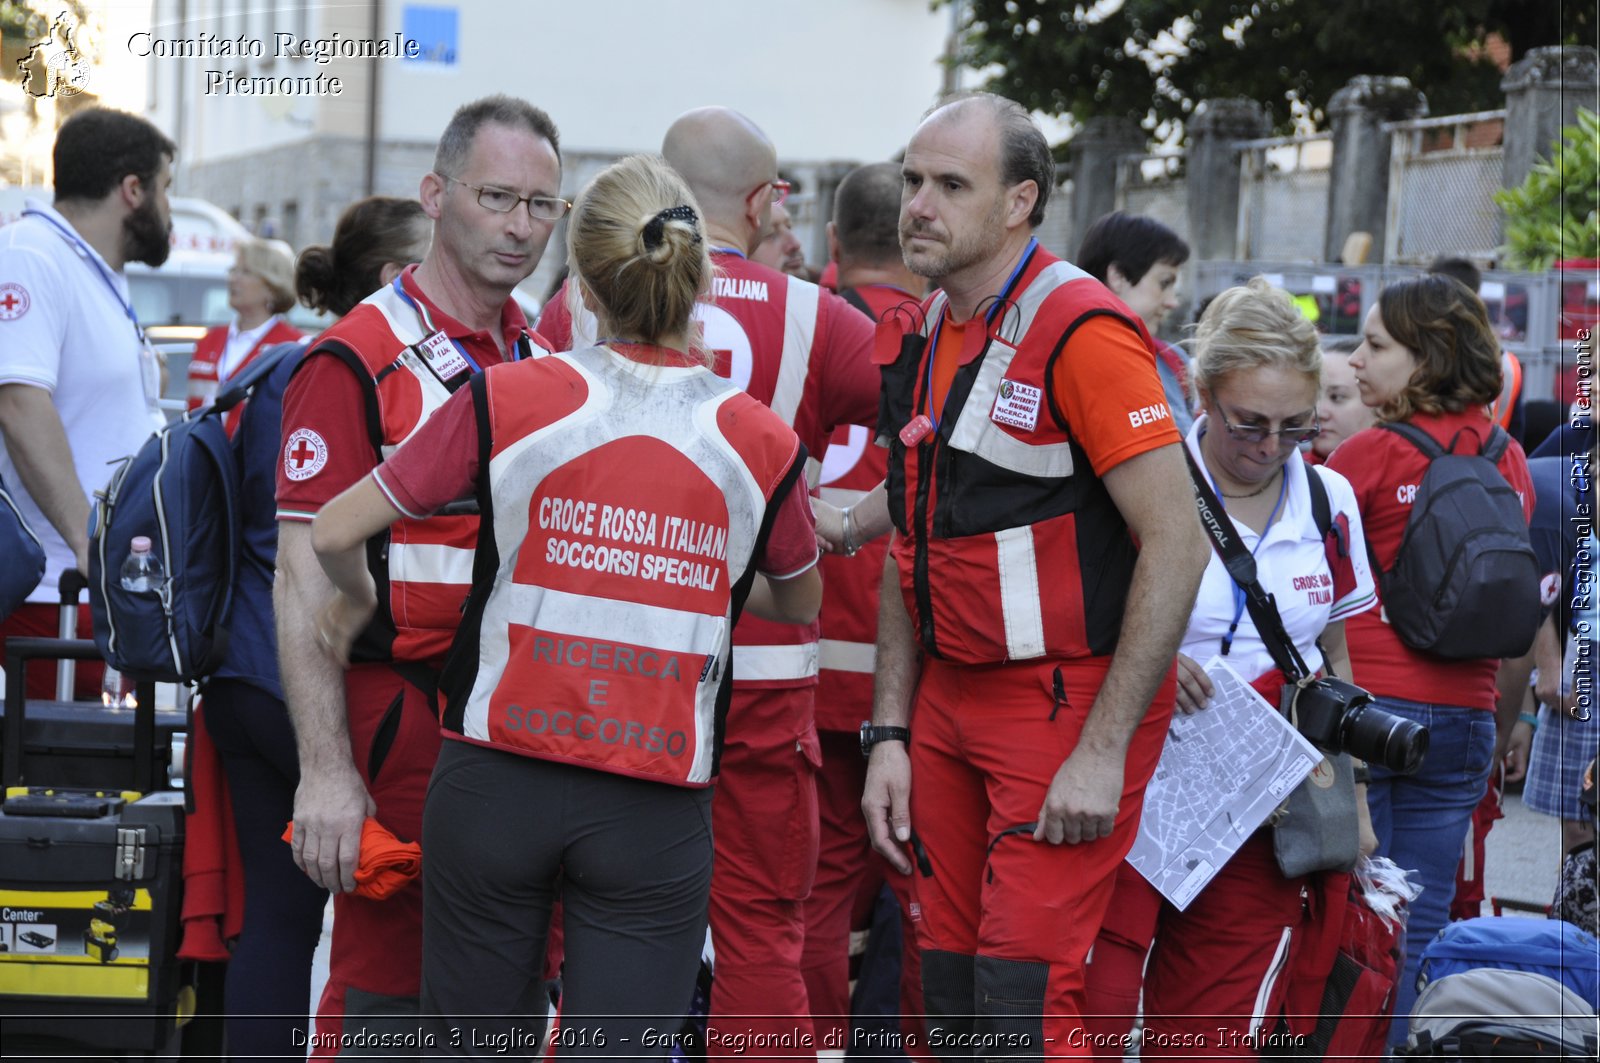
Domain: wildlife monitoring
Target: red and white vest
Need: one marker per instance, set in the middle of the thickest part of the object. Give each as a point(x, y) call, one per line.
point(423, 568)
point(760, 326)
point(1010, 547)
point(206, 363)
point(623, 507)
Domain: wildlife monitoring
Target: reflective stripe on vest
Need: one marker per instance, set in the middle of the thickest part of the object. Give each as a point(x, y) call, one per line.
point(1020, 606)
point(799, 330)
point(604, 665)
point(771, 663)
point(841, 656)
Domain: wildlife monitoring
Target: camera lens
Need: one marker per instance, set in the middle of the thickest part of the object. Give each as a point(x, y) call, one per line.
point(1379, 737)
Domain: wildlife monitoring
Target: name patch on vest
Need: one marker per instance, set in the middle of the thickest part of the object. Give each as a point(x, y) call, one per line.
point(442, 356)
point(1016, 405)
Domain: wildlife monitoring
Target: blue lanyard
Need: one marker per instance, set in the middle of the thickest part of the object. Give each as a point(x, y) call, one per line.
point(1238, 591)
point(988, 320)
point(105, 274)
point(429, 329)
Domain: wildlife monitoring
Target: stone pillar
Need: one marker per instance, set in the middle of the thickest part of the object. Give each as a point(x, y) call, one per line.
point(1213, 172)
point(1093, 155)
point(1358, 183)
point(1544, 90)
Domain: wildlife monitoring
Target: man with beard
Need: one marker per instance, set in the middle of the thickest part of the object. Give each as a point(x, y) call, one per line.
point(368, 738)
point(1047, 560)
point(79, 385)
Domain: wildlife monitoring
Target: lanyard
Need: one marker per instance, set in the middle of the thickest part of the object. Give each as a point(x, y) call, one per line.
point(988, 320)
point(99, 267)
point(1238, 591)
point(429, 329)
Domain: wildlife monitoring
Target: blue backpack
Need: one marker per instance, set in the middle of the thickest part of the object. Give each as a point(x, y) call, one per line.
point(181, 490)
point(1550, 947)
point(24, 555)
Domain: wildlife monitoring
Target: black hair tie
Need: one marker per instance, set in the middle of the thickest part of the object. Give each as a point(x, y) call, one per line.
point(655, 228)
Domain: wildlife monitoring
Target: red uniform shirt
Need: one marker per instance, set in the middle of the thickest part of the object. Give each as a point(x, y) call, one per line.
point(1385, 471)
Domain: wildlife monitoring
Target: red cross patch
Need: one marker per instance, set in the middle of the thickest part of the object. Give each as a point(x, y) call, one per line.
point(14, 301)
point(304, 454)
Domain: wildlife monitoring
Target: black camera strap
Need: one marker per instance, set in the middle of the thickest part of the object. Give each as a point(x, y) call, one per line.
point(1242, 567)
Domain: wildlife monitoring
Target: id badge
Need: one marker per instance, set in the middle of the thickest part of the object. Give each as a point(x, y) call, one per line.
point(442, 356)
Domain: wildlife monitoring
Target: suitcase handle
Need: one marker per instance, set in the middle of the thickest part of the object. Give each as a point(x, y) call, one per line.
point(18, 651)
point(73, 584)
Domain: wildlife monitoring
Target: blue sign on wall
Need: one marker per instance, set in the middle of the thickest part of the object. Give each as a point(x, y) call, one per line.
point(436, 31)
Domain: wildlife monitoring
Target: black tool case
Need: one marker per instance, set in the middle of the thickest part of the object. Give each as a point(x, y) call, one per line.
point(91, 881)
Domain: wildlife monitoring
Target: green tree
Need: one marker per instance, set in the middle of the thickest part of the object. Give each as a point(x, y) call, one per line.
point(1155, 60)
point(1555, 213)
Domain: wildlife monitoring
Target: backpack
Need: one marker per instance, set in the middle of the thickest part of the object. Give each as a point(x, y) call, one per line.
point(181, 490)
point(1549, 947)
point(1486, 1013)
point(24, 554)
point(1465, 584)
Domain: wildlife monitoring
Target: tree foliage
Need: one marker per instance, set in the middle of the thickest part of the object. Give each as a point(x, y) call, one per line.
point(1555, 213)
point(1155, 60)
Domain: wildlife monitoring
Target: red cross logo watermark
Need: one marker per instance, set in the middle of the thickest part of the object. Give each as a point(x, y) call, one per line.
point(14, 301)
point(304, 454)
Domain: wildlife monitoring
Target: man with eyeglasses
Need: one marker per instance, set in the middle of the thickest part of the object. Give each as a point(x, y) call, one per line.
point(368, 739)
point(807, 354)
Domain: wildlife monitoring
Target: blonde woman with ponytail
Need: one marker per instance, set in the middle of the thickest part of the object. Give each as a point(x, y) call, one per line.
point(632, 504)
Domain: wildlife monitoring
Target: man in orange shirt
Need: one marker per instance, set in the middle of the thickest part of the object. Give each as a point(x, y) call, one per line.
point(1047, 559)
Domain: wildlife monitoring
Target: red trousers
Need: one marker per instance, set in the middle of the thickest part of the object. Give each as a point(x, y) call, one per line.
point(42, 620)
point(375, 956)
point(1219, 972)
point(849, 876)
point(1007, 922)
point(764, 823)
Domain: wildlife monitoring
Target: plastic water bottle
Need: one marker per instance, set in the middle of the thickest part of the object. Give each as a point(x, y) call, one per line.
point(116, 691)
point(141, 572)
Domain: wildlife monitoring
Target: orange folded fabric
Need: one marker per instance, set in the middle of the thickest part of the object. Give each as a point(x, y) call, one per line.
point(386, 863)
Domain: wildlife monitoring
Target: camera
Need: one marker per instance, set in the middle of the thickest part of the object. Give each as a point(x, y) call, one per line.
point(1340, 717)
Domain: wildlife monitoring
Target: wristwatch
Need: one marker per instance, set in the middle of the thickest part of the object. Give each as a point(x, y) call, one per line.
point(871, 736)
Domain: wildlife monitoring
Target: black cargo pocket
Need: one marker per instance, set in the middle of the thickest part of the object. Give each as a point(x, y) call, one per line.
point(383, 737)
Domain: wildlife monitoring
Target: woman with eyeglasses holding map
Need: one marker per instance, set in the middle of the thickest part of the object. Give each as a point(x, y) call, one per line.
point(1220, 969)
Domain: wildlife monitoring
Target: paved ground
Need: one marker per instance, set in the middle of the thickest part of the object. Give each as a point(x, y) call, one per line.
point(1521, 864)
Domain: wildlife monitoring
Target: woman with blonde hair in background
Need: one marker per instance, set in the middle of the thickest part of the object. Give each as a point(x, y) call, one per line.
point(261, 289)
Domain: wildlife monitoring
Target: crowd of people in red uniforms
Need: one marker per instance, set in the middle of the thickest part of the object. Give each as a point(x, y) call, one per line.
point(468, 507)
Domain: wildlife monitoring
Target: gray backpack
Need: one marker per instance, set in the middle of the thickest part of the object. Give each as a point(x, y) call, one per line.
point(1487, 1013)
point(1465, 584)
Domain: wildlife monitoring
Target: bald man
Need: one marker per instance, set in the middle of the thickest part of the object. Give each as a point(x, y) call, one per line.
point(1024, 673)
point(807, 354)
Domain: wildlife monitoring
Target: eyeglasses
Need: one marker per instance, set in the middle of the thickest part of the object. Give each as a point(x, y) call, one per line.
point(1288, 435)
point(541, 208)
point(780, 189)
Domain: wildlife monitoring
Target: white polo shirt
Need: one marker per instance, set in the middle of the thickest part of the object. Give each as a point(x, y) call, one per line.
point(1293, 565)
point(64, 328)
